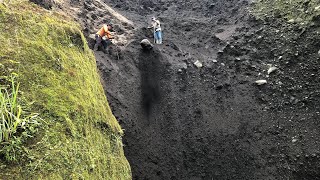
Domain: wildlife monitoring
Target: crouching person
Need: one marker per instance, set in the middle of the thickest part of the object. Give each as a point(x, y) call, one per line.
point(103, 37)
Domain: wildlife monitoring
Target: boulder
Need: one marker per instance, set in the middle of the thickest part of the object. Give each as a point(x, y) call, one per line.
point(146, 44)
point(261, 82)
point(272, 69)
point(198, 64)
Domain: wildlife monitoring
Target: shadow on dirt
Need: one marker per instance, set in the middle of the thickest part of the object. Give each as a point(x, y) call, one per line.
point(150, 68)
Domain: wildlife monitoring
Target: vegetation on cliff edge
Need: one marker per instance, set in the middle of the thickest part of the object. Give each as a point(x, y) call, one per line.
point(77, 137)
point(304, 12)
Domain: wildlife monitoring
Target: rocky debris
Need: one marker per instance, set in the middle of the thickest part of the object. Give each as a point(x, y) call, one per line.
point(198, 64)
point(146, 44)
point(261, 82)
point(272, 69)
point(294, 139)
point(291, 21)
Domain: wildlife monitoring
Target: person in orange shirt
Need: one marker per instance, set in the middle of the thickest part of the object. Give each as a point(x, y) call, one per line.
point(103, 37)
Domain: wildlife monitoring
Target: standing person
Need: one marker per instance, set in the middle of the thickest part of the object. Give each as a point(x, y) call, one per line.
point(103, 36)
point(157, 30)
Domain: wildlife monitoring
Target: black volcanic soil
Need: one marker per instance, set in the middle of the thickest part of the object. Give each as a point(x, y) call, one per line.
point(214, 122)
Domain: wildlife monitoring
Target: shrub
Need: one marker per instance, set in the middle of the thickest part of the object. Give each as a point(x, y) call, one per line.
point(15, 125)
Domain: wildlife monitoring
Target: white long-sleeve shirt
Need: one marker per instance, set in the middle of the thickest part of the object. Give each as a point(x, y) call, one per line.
point(156, 25)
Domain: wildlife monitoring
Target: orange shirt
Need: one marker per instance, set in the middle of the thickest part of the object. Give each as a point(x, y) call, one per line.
point(104, 31)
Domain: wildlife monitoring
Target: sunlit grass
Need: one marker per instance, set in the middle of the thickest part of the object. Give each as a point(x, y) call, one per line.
point(10, 112)
point(298, 11)
point(16, 126)
point(58, 79)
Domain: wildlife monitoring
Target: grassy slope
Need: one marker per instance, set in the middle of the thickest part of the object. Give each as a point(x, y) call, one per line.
point(57, 72)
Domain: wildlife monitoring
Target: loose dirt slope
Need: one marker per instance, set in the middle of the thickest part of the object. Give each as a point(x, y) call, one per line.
point(214, 122)
point(182, 122)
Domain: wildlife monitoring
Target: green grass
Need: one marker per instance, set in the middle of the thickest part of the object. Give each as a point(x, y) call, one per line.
point(10, 112)
point(16, 125)
point(304, 12)
point(58, 79)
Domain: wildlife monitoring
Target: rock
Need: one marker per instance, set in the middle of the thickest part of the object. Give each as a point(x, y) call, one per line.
point(146, 44)
point(198, 64)
point(299, 20)
point(291, 21)
point(261, 82)
point(294, 139)
point(272, 69)
point(214, 61)
point(317, 8)
point(184, 66)
point(92, 36)
point(88, 6)
point(211, 6)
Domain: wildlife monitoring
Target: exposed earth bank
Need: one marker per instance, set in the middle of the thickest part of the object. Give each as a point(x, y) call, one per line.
point(212, 122)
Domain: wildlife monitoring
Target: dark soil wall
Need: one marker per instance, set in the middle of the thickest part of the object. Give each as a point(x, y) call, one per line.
point(214, 122)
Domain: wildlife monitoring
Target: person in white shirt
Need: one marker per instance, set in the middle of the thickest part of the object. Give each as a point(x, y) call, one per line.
point(157, 30)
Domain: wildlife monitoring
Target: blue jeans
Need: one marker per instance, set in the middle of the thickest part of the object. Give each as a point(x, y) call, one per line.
point(158, 37)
